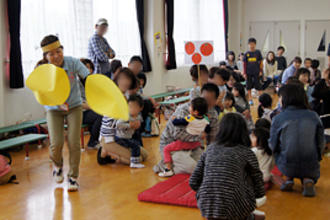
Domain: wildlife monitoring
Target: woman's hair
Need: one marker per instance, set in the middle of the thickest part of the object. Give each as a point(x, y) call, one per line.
point(262, 135)
point(128, 74)
point(44, 42)
point(230, 53)
point(270, 61)
point(144, 77)
point(265, 101)
point(194, 70)
point(88, 61)
point(294, 95)
point(114, 65)
point(241, 90)
point(263, 123)
point(233, 131)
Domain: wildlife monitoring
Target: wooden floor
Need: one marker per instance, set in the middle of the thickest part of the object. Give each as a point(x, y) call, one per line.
point(110, 192)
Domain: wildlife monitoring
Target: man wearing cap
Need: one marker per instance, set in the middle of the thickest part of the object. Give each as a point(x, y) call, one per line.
point(99, 50)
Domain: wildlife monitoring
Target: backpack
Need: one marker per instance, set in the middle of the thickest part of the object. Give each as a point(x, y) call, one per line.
point(5, 168)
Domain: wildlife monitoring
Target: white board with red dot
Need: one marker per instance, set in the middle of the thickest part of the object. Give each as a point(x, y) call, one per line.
point(198, 52)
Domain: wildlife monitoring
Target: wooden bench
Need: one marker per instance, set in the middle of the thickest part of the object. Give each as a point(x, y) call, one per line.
point(175, 101)
point(19, 140)
point(166, 94)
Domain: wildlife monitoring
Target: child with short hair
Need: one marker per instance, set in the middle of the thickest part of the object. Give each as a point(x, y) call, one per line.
point(197, 123)
point(204, 74)
point(303, 75)
point(259, 139)
point(135, 64)
point(252, 68)
point(228, 104)
point(227, 178)
point(242, 104)
point(142, 82)
point(240, 62)
point(265, 106)
point(115, 67)
point(126, 129)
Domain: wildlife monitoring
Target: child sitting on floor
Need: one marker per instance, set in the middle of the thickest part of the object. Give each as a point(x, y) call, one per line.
point(204, 76)
point(126, 129)
point(228, 104)
point(227, 178)
point(197, 123)
point(265, 106)
point(259, 139)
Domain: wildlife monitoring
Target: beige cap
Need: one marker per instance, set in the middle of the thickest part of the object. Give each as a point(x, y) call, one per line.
point(102, 21)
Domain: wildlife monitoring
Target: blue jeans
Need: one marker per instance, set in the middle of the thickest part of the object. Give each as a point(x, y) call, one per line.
point(130, 143)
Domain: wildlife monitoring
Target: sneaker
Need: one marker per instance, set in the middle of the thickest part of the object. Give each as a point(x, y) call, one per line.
point(166, 173)
point(73, 185)
point(137, 165)
point(309, 188)
point(93, 145)
point(287, 186)
point(104, 160)
point(251, 102)
point(58, 174)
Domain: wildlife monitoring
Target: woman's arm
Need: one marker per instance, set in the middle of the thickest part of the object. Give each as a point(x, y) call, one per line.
point(256, 174)
point(196, 177)
point(274, 136)
point(80, 69)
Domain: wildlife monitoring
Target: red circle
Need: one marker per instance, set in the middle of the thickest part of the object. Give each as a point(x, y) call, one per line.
point(190, 48)
point(206, 49)
point(196, 58)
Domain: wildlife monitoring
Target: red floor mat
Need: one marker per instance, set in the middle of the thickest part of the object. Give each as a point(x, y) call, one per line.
point(173, 191)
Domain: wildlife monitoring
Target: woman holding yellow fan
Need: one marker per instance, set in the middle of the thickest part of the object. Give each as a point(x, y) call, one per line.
point(57, 87)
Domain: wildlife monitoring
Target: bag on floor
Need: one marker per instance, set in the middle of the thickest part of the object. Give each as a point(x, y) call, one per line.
point(155, 129)
point(6, 174)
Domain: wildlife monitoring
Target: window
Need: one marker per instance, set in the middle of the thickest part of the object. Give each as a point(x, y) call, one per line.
point(199, 20)
point(123, 34)
point(73, 22)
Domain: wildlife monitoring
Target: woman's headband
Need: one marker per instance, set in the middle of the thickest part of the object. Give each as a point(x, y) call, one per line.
point(51, 46)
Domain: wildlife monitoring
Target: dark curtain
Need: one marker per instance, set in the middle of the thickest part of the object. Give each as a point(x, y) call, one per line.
point(225, 17)
point(16, 78)
point(170, 59)
point(140, 19)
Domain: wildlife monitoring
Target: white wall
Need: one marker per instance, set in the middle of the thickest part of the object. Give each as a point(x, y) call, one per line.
point(242, 12)
point(159, 78)
point(15, 104)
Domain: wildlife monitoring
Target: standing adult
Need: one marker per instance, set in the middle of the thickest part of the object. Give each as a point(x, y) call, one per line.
point(99, 50)
point(71, 111)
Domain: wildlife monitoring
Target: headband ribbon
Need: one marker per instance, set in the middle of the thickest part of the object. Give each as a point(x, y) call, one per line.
point(51, 46)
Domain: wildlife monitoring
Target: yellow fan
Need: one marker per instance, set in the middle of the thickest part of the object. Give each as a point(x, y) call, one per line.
point(104, 97)
point(50, 84)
